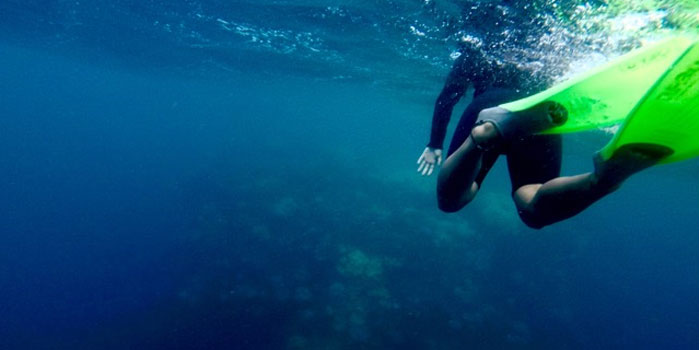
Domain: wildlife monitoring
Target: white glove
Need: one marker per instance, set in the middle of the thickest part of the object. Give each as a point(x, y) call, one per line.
point(427, 160)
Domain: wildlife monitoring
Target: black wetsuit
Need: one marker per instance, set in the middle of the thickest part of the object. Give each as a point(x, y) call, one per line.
point(533, 159)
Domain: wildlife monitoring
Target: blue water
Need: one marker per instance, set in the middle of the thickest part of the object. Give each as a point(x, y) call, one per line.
point(241, 175)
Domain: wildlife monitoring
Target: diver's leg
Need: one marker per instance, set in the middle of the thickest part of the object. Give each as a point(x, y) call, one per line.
point(563, 197)
point(540, 205)
point(467, 164)
point(457, 180)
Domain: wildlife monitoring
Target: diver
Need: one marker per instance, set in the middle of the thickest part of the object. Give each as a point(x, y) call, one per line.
point(484, 132)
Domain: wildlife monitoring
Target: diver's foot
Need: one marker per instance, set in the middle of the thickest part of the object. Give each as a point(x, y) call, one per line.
point(542, 116)
point(626, 161)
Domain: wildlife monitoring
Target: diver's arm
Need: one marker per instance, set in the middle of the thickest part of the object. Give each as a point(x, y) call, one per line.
point(456, 85)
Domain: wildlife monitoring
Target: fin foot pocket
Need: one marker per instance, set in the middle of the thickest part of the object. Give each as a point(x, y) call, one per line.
point(538, 118)
point(627, 160)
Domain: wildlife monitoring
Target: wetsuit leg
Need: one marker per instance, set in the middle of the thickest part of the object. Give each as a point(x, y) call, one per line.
point(488, 99)
point(534, 159)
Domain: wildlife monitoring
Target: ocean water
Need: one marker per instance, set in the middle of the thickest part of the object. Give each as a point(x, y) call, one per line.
point(241, 175)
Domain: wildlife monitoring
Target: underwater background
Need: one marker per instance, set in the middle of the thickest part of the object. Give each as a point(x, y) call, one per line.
point(203, 174)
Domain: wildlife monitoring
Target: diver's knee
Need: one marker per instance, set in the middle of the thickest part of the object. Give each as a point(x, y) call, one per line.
point(451, 204)
point(448, 207)
point(531, 219)
point(524, 198)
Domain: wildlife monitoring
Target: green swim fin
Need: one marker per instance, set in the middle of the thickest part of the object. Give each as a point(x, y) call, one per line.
point(668, 113)
point(605, 95)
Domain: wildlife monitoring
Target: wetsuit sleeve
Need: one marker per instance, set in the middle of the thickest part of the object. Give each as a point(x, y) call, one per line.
point(456, 85)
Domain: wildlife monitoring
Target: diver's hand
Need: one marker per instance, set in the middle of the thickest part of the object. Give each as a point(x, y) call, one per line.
point(426, 162)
